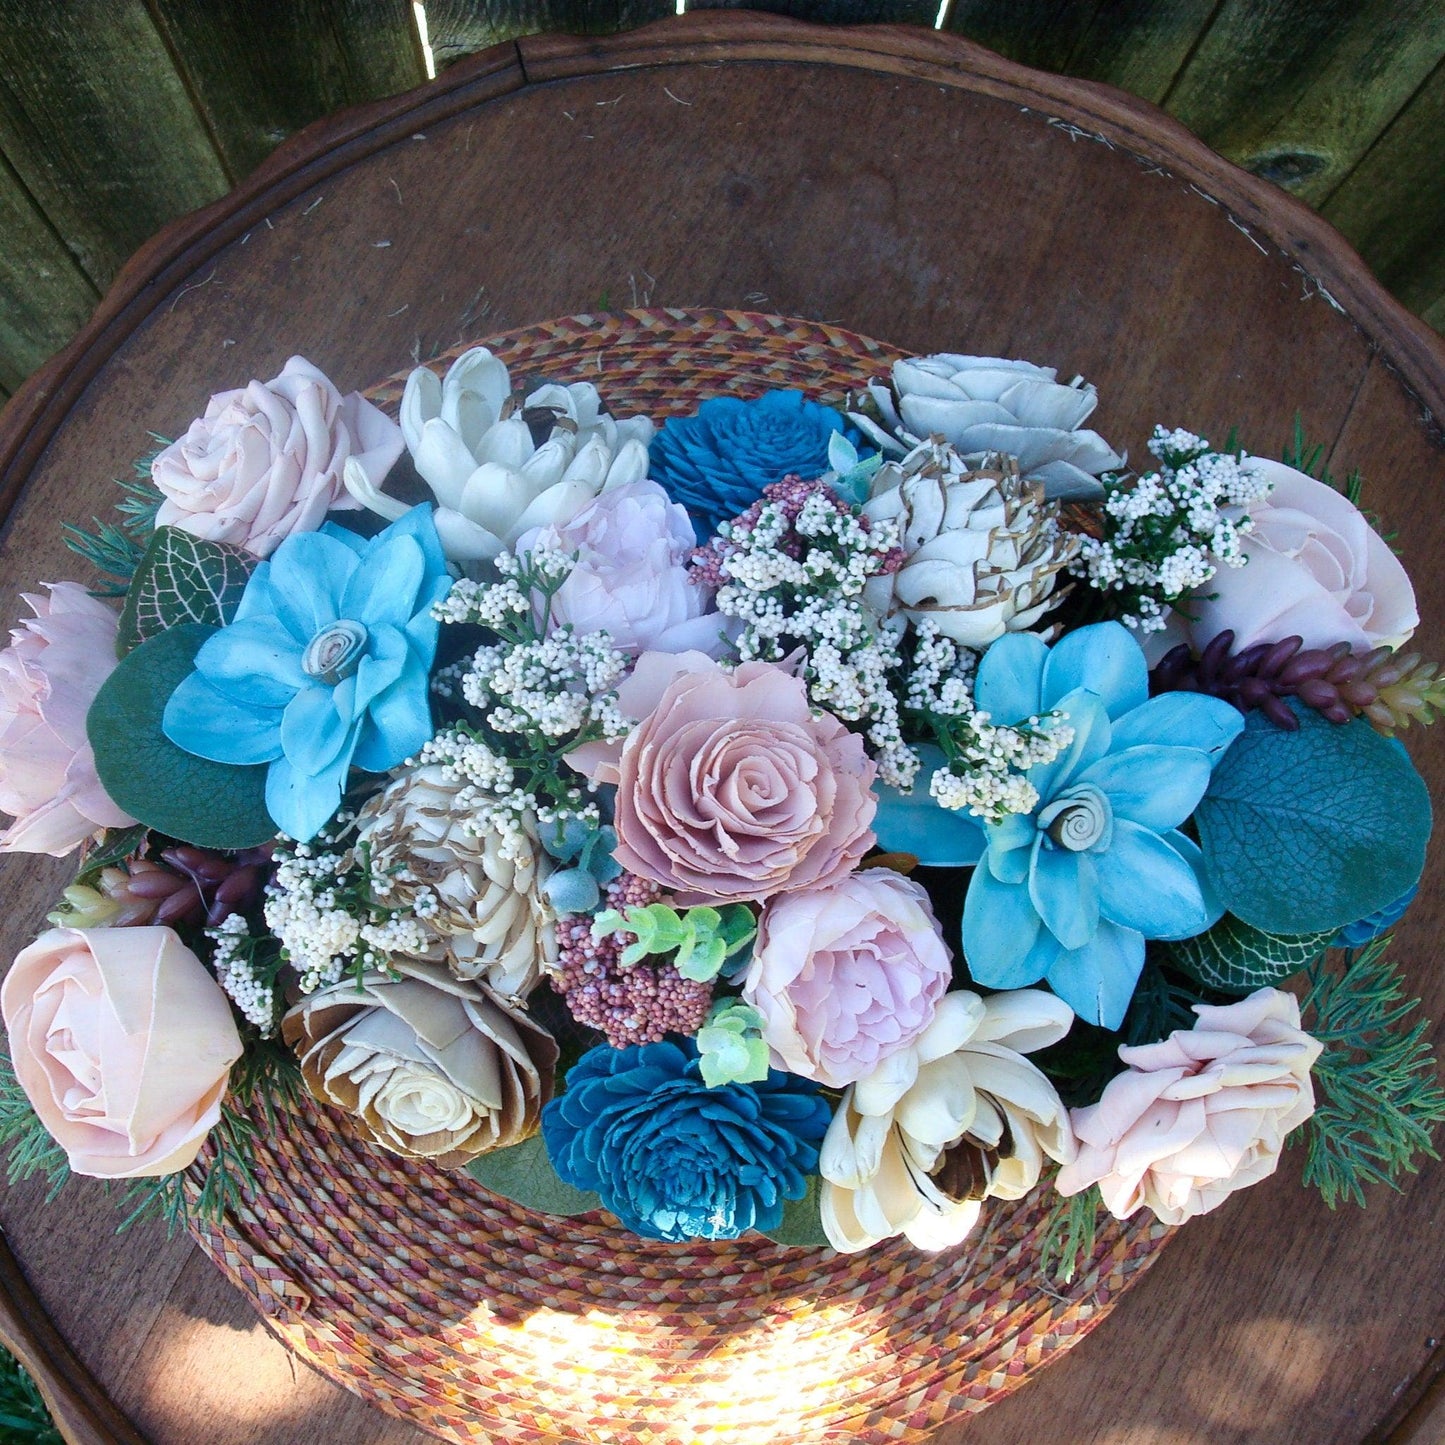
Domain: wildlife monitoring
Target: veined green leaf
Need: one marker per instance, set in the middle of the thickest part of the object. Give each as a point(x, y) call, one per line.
point(182, 578)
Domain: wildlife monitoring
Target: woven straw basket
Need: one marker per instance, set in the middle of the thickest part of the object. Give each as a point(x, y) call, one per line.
point(478, 1320)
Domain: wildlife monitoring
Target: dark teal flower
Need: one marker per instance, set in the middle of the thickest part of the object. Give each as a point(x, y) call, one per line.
point(674, 1159)
point(324, 667)
point(1382, 920)
point(717, 462)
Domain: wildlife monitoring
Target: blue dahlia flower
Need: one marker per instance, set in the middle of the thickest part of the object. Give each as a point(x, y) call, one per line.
point(324, 665)
point(717, 462)
point(1382, 920)
point(1069, 892)
point(674, 1159)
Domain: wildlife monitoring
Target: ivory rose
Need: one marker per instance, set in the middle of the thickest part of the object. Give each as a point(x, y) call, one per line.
point(730, 786)
point(1316, 570)
point(49, 676)
point(1200, 1114)
point(267, 460)
point(123, 1044)
point(845, 975)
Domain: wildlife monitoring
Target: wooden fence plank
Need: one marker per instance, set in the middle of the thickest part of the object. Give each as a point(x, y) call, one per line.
point(835, 12)
point(1140, 45)
point(459, 27)
point(44, 295)
point(1296, 90)
point(1033, 32)
point(260, 72)
point(98, 126)
point(1391, 207)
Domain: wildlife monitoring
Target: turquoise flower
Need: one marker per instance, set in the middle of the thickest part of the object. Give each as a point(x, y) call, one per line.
point(324, 666)
point(1069, 892)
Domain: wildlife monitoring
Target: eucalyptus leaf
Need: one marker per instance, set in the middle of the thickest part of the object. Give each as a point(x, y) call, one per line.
point(1239, 959)
point(1304, 832)
point(524, 1174)
point(802, 1221)
point(182, 578)
point(212, 805)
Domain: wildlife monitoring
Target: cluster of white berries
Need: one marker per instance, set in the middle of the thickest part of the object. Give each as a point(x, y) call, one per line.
point(988, 776)
point(1168, 532)
point(554, 687)
point(233, 959)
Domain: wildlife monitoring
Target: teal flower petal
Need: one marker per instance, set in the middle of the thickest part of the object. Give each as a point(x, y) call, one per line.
point(914, 823)
point(1093, 737)
point(302, 804)
point(1098, 981)
point(1007, 683)
point(308, 577)
point(1064, 888)
point(1181, 720)
point(314, 733)
point(1147, 886)
point(1104, 658)
point(1156, 786)
point(1193, 855)
point(397, 725)
point(387, 658)
point(353, 540)
point(384, 588)
point(1010, 848)
point(204, 722)
point(256, 662)
point(1000, 925)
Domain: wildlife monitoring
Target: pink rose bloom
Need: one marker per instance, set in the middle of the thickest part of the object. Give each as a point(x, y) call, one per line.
point(123, 1044)
point(846, 975)
point(49, 676)
point(1199, 1115)
point(730, 787)
point(1316, 570)
point(267, 460)
point(631, 578)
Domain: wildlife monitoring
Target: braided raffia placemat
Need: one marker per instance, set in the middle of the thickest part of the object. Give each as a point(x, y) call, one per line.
point(477, 1320)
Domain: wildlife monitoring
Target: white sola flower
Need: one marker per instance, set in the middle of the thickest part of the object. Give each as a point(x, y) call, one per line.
point(499, 469)
point(986, 404)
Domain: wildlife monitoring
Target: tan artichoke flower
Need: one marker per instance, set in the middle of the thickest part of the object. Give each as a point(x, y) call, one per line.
point(492, 920)
point(982, 548)
point(427, 1065)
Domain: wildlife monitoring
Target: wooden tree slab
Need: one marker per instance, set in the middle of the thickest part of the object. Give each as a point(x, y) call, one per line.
point(920, 190)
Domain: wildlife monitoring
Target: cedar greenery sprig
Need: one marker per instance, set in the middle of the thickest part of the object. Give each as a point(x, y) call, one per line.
point(1378, 1093)
point(117, 550)
point(1069, 1232)
point(27, 1144)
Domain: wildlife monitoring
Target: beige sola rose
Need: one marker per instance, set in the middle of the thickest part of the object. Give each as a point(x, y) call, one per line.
point(123, 1044)
point(957, 1117)
point(268, 460)
point(1199, 1114)
point(426, 1065)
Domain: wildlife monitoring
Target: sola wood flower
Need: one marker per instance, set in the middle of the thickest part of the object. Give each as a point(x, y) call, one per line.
point(498, 470)
point(982, 549)
point(49, 676)
point(123, 1044)
point(986, 404)
point(427, 1065)
point(1200, 1114)
point(955, 1118)
point(491, 919)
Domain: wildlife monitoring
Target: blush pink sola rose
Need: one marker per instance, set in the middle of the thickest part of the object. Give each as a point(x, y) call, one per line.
point(846, 975)
point(123, 1044)
point(1316, 570)
point(49, 676)
point(267, 460)
point(1200, 1114)
point(730, 786)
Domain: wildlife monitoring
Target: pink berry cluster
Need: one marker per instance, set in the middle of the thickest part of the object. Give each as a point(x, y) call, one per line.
point(637, 1005)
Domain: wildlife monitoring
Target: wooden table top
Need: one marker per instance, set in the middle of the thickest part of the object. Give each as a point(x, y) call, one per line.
point(904, 184)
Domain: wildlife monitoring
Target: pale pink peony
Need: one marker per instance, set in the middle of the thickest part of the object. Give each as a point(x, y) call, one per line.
point(266, 461)
point(1199, 1115)
point(49, 676)
point(846, 975)
point(1316, 570)
point(730, 787)
point(123, 1044)
point(631, 576)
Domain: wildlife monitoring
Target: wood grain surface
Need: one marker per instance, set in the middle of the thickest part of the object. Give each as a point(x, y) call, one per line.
point(909, 186)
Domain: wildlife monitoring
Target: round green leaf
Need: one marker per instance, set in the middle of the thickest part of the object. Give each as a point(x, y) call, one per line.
point(1305, 832)
point(524, 1174)
point(802, 1223)
point(212, 805)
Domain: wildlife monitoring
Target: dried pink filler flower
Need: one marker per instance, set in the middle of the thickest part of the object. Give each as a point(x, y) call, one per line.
point(637, 1005)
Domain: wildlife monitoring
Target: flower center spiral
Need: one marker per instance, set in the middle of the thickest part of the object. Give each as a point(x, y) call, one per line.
point(1079, 819)
point(335, 652)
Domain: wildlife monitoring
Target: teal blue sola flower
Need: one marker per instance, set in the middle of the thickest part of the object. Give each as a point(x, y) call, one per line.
point(675, 1159)
point(717, 462)
point(1069, 892)
point(324, 667)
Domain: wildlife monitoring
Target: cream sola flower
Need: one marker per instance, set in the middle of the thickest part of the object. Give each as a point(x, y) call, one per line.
point(499, 469)
point(937, 1127)
point(985, 404)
